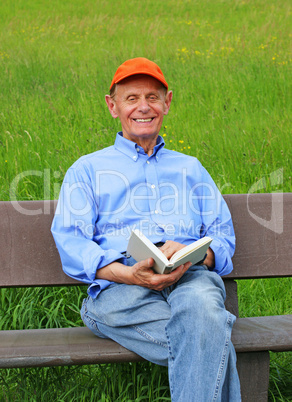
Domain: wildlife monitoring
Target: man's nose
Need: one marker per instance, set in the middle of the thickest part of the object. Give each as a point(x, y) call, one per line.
point(143, 105)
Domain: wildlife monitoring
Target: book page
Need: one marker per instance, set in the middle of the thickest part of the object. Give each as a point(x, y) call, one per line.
point(140, 247)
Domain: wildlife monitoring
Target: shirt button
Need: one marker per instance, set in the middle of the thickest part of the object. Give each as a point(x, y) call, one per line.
point(138, 149)
point(156, 212)
point(134, 157)
point(148, 163)
point(152, 185)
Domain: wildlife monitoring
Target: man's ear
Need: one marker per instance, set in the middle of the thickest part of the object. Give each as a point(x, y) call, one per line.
point(111, 106)
point(168, 99)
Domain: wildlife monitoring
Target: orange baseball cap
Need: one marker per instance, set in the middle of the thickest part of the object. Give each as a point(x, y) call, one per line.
point(139, 65)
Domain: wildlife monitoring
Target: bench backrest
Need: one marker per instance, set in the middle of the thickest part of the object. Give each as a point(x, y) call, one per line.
point(262, 222)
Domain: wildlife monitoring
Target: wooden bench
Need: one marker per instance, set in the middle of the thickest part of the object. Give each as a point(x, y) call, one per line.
point(29, 258)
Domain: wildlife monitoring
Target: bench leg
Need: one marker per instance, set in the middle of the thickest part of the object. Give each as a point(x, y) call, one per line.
point(253, 370)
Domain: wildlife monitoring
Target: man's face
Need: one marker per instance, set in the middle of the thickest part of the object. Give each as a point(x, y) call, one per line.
point(140, 103)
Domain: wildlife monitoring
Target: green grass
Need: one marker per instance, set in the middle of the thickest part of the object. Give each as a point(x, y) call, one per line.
point(228, 63)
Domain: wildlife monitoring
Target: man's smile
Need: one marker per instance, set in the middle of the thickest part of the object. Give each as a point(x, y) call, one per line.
point(144, 120)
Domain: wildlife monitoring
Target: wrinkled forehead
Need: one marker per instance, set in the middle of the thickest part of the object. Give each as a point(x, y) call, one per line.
point(137, 83)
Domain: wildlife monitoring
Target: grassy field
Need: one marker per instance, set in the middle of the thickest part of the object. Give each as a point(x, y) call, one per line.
point(228, 63)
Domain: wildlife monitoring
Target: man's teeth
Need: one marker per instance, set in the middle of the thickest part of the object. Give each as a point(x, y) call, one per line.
point(143, 120)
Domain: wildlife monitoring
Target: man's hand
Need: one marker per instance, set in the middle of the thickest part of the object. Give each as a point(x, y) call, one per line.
point(141, 274)
point(171, 247)
point(144, 275)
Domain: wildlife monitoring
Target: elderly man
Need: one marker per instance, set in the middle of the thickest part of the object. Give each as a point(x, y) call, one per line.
point(177, 319)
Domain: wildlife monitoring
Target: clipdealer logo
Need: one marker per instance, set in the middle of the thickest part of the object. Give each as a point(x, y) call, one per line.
point(275, 179)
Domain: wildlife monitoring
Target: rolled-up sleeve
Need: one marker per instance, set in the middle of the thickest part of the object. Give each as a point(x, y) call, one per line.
point(73, 229)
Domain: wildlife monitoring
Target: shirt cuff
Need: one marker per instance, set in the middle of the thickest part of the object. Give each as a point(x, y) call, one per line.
point(108, 257)
point(97, 286)
point(100, 284)
point(223, 262)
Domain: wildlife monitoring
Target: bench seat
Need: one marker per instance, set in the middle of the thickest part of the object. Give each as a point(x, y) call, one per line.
point(77, 346)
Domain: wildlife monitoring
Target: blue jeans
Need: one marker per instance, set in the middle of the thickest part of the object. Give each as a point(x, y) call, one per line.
point(184, 327)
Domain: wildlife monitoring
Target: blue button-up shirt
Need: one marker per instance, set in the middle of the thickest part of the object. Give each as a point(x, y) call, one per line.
point(167, 196)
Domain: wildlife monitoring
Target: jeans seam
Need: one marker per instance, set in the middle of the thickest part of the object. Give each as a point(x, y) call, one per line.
point(148, 337)
point(223, 359)
point(85, 317)
point(170, 364)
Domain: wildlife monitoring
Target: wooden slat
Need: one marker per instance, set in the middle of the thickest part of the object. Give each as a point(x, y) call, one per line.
point(263, 228)
point(70, 346)
point(253, 371)
point(29, 256)
point(254, 334)
point(59, 347)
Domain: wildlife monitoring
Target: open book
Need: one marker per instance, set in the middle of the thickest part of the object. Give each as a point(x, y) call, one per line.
point(140, 248)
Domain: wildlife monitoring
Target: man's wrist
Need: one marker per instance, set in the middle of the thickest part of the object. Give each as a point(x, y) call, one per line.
point(210, 259)
point(115, 272)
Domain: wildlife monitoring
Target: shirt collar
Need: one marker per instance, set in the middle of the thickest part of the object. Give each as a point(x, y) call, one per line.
point(133, 150)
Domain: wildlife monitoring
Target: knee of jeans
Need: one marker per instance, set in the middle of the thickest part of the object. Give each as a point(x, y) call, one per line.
point(210, 303)
point(196, 301)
